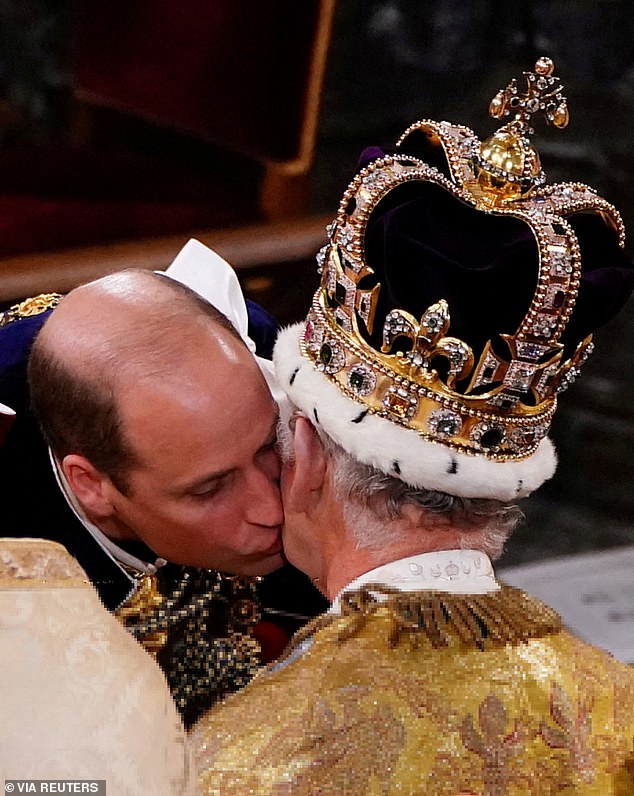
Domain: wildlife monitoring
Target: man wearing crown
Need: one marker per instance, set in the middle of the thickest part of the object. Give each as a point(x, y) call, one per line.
point(457, 300)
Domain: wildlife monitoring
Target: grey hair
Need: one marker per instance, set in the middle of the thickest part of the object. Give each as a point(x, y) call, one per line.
point(373, 500)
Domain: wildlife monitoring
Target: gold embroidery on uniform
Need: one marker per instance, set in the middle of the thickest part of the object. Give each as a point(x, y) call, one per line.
point(574, 725)
point(494, 746)
point(146, 598)
point(30, 307)
point(202, 661)
point(624, 701)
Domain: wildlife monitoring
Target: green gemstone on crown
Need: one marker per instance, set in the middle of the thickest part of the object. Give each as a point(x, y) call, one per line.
point(325, 354)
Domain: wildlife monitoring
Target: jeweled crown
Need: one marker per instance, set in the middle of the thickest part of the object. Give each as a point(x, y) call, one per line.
point(498, 401)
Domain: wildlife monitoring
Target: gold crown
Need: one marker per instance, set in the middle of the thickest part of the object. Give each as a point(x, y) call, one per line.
point(500, 406)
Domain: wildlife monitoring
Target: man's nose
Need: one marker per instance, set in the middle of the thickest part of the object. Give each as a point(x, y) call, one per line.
point(264, 501)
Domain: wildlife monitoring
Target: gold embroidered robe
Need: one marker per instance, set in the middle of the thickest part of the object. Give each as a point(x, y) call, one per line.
point(427, 694)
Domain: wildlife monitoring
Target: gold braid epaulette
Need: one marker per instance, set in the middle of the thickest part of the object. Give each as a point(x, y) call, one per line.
point(479, 621)
point(35, 305)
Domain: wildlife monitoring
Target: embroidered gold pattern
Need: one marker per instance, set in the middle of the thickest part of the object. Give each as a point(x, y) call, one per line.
point(574, 725)
point(337, 736)
point(475, 620)
point(493, 744)
point(200, 632)
point(146, 598)
point(396, 697)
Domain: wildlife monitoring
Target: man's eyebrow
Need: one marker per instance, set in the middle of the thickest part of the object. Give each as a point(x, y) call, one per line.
point(204, 481)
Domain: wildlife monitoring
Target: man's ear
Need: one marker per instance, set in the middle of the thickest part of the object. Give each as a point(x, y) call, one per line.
point(90, 486)
point(309, 466)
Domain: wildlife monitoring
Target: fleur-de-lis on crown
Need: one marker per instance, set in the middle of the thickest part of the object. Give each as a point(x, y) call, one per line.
point(429, 340)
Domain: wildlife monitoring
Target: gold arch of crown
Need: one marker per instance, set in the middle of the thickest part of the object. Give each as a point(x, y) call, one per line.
point(508, 403)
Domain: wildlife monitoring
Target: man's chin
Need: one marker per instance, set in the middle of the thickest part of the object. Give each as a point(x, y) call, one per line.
point(266, 565)
point(251, 567)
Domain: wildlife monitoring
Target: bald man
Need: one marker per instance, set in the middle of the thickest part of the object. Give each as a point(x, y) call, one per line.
point(162, 435)
point(161, 423)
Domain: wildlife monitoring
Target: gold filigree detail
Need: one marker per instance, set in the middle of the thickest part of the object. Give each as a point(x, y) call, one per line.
point(30, 307)
point(542, 93)
point(429, 341)
point(146, 598)
point(507, 166)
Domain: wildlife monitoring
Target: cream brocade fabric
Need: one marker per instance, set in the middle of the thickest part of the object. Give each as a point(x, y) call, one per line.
point(80, 698)
point(428, 694)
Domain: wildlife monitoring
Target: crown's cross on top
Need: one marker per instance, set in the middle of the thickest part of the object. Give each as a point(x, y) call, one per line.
point(543, 93)
point(507, 166)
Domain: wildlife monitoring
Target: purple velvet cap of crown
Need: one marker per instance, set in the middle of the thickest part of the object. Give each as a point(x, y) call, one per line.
point(425, 245)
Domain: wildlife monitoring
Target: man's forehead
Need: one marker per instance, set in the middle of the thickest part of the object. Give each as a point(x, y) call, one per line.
point(190, 424)
point(201, 371)
point(130, 310)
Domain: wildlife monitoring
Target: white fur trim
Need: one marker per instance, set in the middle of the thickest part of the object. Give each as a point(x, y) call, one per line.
point(381, 443)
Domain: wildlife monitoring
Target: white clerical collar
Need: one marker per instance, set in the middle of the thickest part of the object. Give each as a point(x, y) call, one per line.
point(112, 550)
point(454, 571)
